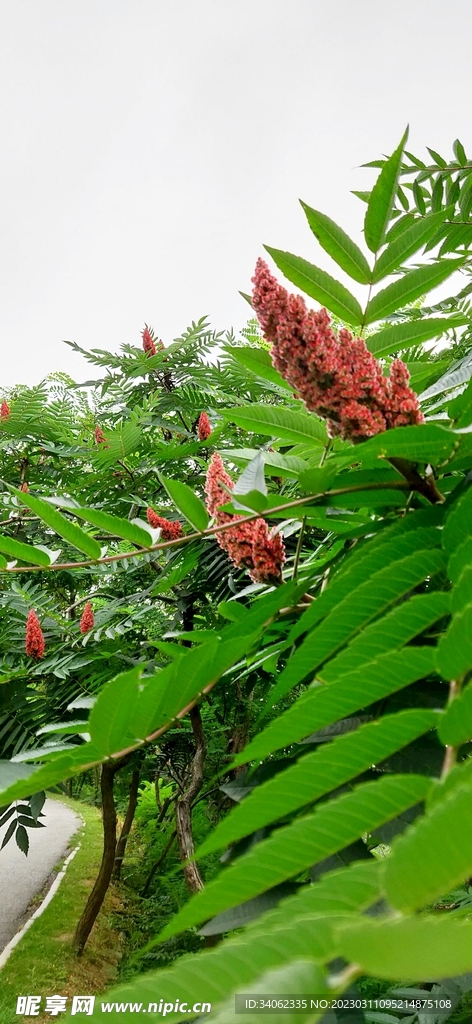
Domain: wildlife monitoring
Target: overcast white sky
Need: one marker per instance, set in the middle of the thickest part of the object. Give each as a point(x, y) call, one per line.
point(150, 147)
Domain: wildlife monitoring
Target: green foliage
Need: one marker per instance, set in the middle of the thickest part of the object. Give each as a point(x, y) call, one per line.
point(344, 692)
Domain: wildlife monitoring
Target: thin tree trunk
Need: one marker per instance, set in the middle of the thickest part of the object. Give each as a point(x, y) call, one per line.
point(183, 806)
point(103, 879)
point(125, 831)
point(160, 860)
point(157, 790)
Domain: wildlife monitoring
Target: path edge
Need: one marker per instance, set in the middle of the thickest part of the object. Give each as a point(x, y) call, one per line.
point(11, 945)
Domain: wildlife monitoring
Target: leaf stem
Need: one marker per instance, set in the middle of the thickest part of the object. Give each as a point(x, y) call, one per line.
point(450, 756)
point(299, 549)
point(389, 485)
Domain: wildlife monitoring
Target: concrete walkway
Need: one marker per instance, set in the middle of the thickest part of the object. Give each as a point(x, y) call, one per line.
point(21, 878)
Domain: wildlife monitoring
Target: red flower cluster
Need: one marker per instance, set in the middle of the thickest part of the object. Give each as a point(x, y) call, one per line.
point(169, 530)
point(87, 621)
point(337, 377)
point(4, 410)
point(249, 545)
point(204, 427)
point(24, 487)
point(99, 436)
point(149, 343)
point(34, 642)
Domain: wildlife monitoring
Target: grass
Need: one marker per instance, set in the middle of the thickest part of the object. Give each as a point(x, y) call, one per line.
point(44, 962)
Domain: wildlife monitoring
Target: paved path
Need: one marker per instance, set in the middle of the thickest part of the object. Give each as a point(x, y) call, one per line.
point(21, 878)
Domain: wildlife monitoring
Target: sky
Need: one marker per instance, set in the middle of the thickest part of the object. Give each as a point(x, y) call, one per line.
point(150, 148)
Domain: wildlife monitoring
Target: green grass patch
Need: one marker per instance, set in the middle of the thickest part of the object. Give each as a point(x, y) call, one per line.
point(44, 962)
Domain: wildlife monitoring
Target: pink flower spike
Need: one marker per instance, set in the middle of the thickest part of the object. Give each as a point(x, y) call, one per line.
point(148, 341)
point(34, 640)
point(249, 545)
point(335, 375)
point(87, 621)
point(204, 427)
point(169, 530)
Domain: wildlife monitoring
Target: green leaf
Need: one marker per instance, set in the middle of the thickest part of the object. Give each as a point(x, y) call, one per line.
point(318, 773)
point(456, 726)
point(461, 556)
point(71, 728)
point(459, 373)
point(319, 285)
point(454, 653)
point(72, 533)
point(439, 160)
point(27, 553)
point(189, 557)
point(281, 423)
point(115, 525)
point(462, 593)
point(457, 235)
point(399, 226)
point(408, 243)
point(338, 245)
point(360, 607)
point(403, 198)
point(408, 287)
point(434, 855)
point(395, 542)
point(458, 525)
point(306, 841)
point(258, 361)
point(414, 160)
point(320, 706)
point(382, 198)
point(63, 767)
point(318, 479)
point(427, 442)
point(120, 443)
point(406, 621)
point(302, 976)
point(109, 723)
point(235, 962)
point(187, 502)
point(419, 198)
point(164, 698)
point(362, 195)
point(275, 464)
point(437, 194)
point(344, 890)
point(252, 478)
point(21, 838)
point(253, 501)
point(400, 336)
point(11, 771)
point(453, 189)
point(460, 409)
point(459, 152)
point(422, 374)
point(416, 947)
point(465, 198)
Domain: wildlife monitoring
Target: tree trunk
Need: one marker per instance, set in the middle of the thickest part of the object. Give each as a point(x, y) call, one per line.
point(183, 806)
point(125, 831)
point(102, 882)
